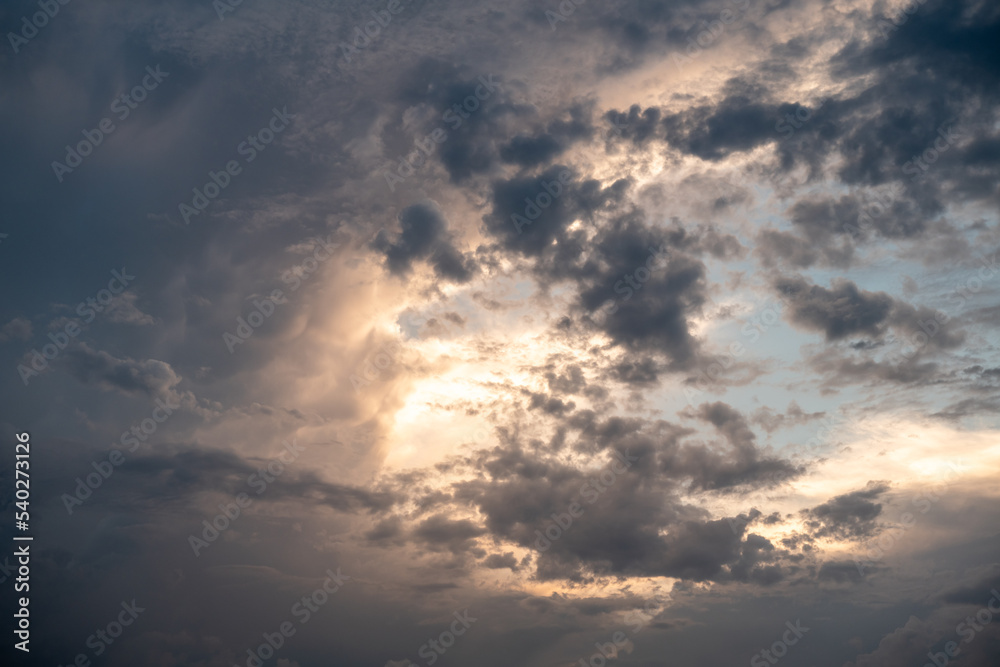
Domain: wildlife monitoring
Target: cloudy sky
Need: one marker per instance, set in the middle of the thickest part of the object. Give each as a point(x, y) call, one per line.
point(415, 332)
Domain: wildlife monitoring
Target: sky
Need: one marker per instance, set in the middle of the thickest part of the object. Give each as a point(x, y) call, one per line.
point(420, 332)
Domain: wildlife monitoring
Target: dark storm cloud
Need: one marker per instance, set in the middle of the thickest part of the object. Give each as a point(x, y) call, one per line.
point(501, 561)
point(840, 572)
point(632, 521)
point(839, 312)
point(711, 132)
point(897, 93)
point(517, 197)
point(487, 126)
point(637, 125)
point(151, 378)
point(745, 465)
point(738, 123)
point(424, 236)
point(439, 532)
point(848, 516)
point(653, 321)
point(570, 381)
point(532, 150)
point(755, 563)
point(185, 473)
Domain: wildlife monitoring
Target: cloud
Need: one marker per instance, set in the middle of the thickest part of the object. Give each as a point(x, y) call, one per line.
point(18, 328)
point(424, 236)
point(150, 377)
point(848, 516)
point(839, 312)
